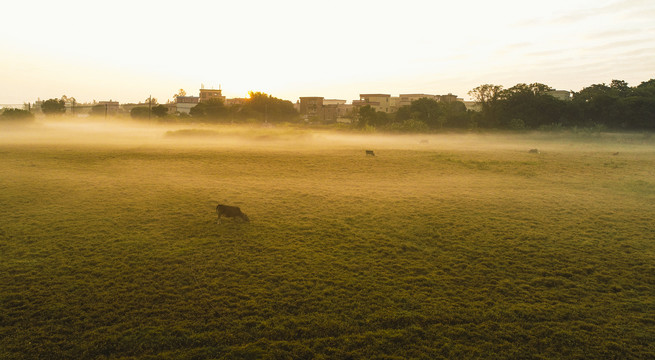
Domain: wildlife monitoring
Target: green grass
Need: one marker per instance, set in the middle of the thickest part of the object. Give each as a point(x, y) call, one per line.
point(438, 251)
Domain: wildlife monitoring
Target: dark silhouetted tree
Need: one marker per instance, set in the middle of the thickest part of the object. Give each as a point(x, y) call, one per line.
point(159, 111)
point(140, 112)
point(53, 107)
point(529, 106)
point(16, 115)
point(98, 110)
point(365, 116)
point(211, 110)
point(404, 113)
point(428, 111)
point(265, 107)
point(487, 95)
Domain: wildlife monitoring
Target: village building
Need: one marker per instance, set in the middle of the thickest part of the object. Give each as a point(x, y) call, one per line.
point(406, 99)
point(236, 101)
point(563, 95)
point(379, 102)
point(208, 94)
point(111, 107)
point(311, 108)
point(319, 109)
point(183, 104)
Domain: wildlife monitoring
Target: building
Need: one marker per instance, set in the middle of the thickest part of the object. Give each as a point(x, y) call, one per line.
point(406, 99)
point(344, 112)
point(473, 105)
point(235, 101)
point(111, 107)
point(333, 102)
point(563, 95)
point(449, 98)
point(319, 109)
point(208, 94)
point(379, 102)
point(183, 104)
point(311, 108)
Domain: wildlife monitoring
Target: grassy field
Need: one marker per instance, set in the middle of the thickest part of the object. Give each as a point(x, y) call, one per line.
point(462, 247)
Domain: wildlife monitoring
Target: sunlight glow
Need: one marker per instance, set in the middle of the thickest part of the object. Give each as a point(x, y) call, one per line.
point(127, 50)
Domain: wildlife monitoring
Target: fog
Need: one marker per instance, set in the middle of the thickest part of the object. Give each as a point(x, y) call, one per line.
point(127, 133)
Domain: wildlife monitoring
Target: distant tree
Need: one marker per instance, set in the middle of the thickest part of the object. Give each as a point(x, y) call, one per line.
point(68, 99)
point(598, 104)
point(428, 111)
point(381, 119)
point(53, 107)
point(140, 112)
point(639, 107)
point(181, 92)
point(532, 89)
point(212, 109)
point(638, 112)
point(159, 111)
point(455, 114)
point(16, 115)
point(365, 116)
point(403, 113)
point(98, 110)
point(488, 95)
point(646, 88)
point(528, 106)
point(410, 126)
point(269, 108)
point(620, 88)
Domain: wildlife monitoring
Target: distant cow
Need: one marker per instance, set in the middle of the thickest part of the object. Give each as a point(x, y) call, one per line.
point(230, 211)
point(370, 152)
point(534, 151)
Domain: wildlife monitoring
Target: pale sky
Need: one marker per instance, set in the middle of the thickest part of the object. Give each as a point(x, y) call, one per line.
point(128, 50)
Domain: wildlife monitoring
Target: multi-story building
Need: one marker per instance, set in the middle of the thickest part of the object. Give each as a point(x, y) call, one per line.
point(406, 99)
point(235, 101)
point(207, 94)
point(449, 98)
point(311, 108)
point(183, 104)
point(319, 109)
point(111, 106)
point(379, 102)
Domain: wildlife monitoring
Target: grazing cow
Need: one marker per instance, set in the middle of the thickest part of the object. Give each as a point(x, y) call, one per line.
point(616, 153)
point(534, 151)
point(230, 211)
point(370, 152)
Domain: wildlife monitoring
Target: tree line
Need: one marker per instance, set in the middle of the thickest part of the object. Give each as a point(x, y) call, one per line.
point(616, 106)
point(258, 106)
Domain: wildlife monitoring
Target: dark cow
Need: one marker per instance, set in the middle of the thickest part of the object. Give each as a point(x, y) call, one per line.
point(534, 151)
point(370, 152)
point(230, 211)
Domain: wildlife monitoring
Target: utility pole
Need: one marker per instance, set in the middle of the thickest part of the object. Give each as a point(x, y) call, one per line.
point(106, 108)
point(149, 106)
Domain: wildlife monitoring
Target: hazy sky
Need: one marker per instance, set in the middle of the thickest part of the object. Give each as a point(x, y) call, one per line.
point(127, 50)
